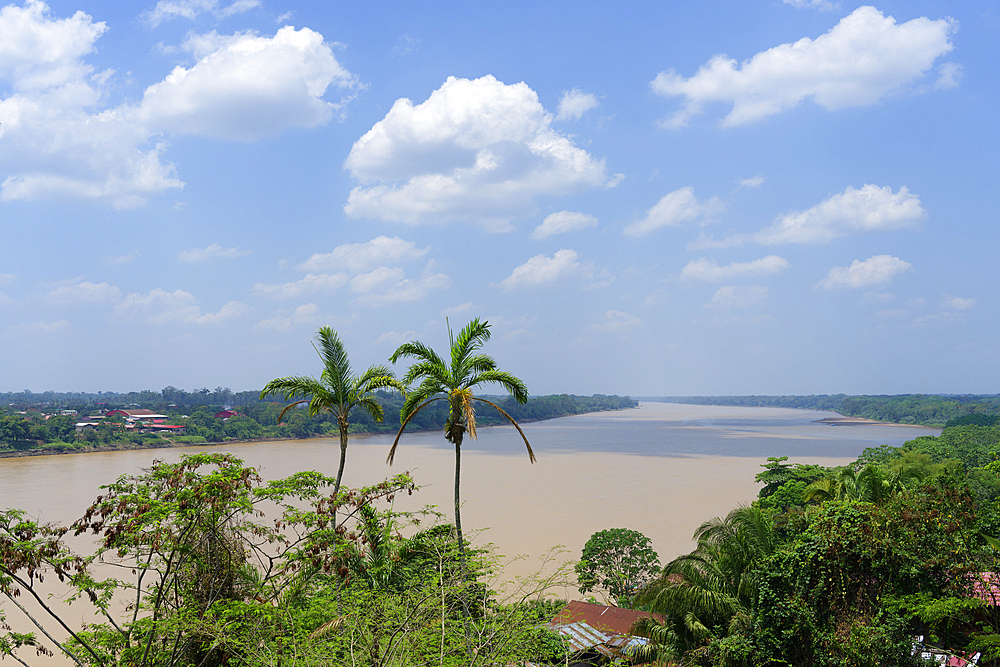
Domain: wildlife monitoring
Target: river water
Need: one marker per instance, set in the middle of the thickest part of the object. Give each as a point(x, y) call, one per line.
point(661, 469)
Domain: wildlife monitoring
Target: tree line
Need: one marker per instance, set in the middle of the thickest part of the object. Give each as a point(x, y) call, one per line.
point(918, 409)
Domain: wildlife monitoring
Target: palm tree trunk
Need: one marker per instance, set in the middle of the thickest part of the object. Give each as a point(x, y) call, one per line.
point(336, 490)
point(461, 542)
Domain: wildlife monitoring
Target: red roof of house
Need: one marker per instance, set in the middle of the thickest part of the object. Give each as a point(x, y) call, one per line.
point(606, 619)
point(986, 587)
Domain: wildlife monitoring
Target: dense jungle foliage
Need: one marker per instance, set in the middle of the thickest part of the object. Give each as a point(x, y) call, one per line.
point(853, 566)
point(207, 578)
point(922, 409)
point(259, 420)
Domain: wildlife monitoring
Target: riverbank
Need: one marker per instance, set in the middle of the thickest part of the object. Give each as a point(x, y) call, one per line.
point(171, 444)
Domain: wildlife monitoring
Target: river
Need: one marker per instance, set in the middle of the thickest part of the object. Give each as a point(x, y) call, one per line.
point(661, 469)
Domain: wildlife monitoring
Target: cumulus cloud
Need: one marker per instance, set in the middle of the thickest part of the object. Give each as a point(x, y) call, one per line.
point(868, 209)
point(752, 182)
point(575, 103)
point(61, 140)
point(361, 256)
point(709, 270)
point(214, 251)
point(246, 86)
point(476, 151)
point(311, 283)
point(41, 327)
point(540, 270)
point(957, 302)
point(384, 286)
point(673, 210)
point(822, 5)
point(306, 314)
point(84, 293)
point(562, 222)
point(876, 270)
point(178, 307)
point(865, 57)
point(166, 10)
point(120, 259)
point(729, 297)
point(854, 211)
point(616, 320)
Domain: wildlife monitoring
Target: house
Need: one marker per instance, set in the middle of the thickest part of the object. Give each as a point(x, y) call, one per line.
point(138, 415)
point(599, 630)
point(226, 414)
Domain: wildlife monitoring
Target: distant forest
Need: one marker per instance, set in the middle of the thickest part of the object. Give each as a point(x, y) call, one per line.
point(41, 425)
point(918, 409)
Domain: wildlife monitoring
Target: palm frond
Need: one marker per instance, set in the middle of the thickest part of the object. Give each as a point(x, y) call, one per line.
point(336, 365)
point(289, 407)
point(371, 405)
point(509, 382)
point(425, 390)
point(427, 369)
point(531, 454)
point(392, 450)
point(292, 387)
point(470, 338)
point(417, 350)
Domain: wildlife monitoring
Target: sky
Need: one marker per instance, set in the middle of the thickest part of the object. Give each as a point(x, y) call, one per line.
point(752, 197)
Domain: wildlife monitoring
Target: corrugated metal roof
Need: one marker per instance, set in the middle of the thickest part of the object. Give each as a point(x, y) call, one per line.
point(614, 620)
point(582, 636)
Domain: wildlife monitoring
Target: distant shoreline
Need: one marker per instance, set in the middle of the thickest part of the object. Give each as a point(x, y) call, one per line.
point(167, 444)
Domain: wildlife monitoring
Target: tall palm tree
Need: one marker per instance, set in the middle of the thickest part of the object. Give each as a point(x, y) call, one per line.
point(441, 381)
point(337, 391)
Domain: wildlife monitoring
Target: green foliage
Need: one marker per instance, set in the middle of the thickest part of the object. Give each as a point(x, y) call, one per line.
point(619, 560)
point(784, 483)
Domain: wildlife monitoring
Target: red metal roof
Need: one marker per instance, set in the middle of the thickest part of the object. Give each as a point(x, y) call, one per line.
point(601, 617)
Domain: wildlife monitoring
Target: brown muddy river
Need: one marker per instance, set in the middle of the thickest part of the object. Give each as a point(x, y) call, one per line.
point(661, 469)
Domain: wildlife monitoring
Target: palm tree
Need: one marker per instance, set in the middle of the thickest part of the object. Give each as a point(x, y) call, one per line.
point(704, 592)
point(440, 381)
point(871, 484)
point(337, 391)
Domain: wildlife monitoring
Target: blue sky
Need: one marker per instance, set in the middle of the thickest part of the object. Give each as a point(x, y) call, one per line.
point(642, 198)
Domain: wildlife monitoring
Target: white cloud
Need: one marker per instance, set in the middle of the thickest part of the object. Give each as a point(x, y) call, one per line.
point(616, 320)
point(396, 338)
point(6, 279)
point(869, 209)
point(166, 10)
point(162, 307)
point(305, 314)
point(84, 293)
point(957, 302)
point(752, 182)
point(875, 270)
point(673, 210)
point(361, 256)
point(710, 271)
point(709, 242)
point(120, 259)
point(458, 310)
point(822, 5)
point(562, 222)
point(56, 141)
point(575, 103)
point(41, 327)
point(214, 251)
point(246, 86)
point(729, 297)
point(311, 283)
point(478, 151)
point(540, 270)
point(367, 282)
point(387, 286)
point(865, 57)
point(61, 140)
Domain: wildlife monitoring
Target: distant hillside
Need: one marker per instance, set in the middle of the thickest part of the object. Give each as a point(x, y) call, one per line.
point(920, 409)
